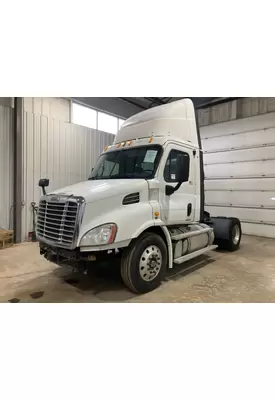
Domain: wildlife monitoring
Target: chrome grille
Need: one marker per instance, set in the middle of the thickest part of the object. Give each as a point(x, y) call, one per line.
point(58, 220)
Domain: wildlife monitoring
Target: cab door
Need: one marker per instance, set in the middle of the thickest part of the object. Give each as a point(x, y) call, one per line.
point(178, 207)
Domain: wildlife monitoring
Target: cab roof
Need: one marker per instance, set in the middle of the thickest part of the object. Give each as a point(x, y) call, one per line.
point(173, 121)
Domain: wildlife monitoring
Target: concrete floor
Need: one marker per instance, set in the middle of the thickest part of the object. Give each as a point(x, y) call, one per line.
point(247, 275)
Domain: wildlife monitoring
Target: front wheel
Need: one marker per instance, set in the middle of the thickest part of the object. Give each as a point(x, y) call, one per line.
point(144, 263)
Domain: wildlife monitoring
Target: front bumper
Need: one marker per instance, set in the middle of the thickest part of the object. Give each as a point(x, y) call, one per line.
point(73, 258)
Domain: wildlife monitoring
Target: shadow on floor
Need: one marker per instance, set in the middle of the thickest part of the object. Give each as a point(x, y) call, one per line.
point(188, 267)
point(104, 281)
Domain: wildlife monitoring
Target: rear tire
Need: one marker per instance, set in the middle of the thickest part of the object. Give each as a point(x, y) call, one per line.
point(235, 235)
point(144, 263)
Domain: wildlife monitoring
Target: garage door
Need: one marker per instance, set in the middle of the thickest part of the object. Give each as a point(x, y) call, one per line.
point(239, 158)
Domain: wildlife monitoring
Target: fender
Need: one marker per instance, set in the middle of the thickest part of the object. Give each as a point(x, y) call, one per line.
point(169, 245)
point(151, 224)
point(143, 228)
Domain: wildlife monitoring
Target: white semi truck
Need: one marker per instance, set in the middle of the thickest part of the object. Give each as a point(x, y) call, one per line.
point(143, 202)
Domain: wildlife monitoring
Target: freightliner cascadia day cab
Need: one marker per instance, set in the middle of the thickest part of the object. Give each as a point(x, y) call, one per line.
point(143, 202)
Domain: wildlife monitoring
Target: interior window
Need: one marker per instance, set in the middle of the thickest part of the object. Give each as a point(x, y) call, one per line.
point(84, 116)
point(170, 167)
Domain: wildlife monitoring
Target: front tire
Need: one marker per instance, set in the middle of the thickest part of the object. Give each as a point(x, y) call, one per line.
point(144, 263)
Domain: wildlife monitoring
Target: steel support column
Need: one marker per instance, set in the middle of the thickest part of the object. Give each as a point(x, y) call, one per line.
point(18, 168)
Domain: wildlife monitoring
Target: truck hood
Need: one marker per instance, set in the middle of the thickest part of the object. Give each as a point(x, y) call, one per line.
point(93, 190)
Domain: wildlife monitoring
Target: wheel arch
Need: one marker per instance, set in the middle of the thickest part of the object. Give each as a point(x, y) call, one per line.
point(163, 232)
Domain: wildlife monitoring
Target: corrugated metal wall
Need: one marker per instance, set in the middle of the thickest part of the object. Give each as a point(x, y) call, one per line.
point(241, 108)
point(219, 113)
point(55, 107)
point(239, 157)
point(240, 171)
point(60, 151)
point(6, 166)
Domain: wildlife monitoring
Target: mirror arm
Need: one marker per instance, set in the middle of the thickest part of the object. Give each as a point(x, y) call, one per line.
point(169, 190)
point(178, 185)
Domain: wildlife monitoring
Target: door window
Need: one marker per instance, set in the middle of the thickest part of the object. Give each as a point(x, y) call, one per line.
point(171, 163)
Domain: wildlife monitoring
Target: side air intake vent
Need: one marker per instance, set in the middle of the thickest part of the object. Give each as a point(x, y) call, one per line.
point(131, 199)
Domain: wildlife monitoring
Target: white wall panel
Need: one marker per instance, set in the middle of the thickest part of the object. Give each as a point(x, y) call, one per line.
point(258, 229)
point(240, 170)
point(254, 154)
point(261, 184)
point(244, 214)
point(253, 199)
point(246, 169)
point(60, 151)
point(6, 167)
point(250, 139)
point(254, 222)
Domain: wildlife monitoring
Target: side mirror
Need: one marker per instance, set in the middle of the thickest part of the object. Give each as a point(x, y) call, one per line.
point(44, 182)
point(182, 169)
point(182, 174)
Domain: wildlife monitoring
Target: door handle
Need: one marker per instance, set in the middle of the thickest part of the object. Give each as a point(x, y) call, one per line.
point(189, 209)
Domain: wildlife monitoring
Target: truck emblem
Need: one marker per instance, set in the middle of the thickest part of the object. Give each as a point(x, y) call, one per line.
point(55, 198)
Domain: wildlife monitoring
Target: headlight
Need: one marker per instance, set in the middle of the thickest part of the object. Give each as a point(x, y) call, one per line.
point(103, 234)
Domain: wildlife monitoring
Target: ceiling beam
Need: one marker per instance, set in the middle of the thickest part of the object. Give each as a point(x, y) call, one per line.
point(132, 102)
point(155, 100)
point(217, 101)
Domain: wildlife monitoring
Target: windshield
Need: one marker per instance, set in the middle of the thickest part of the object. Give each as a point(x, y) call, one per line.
point(137, 162)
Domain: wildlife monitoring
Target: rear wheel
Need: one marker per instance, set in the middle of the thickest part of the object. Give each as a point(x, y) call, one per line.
point(234, 236)
point(144, 263)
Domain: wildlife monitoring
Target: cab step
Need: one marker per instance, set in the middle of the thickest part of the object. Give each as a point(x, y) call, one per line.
point(197, 253)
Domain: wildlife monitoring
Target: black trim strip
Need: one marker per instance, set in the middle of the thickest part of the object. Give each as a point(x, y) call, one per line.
point(226, 178)
point(240, 190)
point(202, 196)
point(240, 206)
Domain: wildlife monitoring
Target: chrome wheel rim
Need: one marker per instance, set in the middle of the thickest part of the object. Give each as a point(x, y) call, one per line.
point(150, 263)
point(236, 233)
